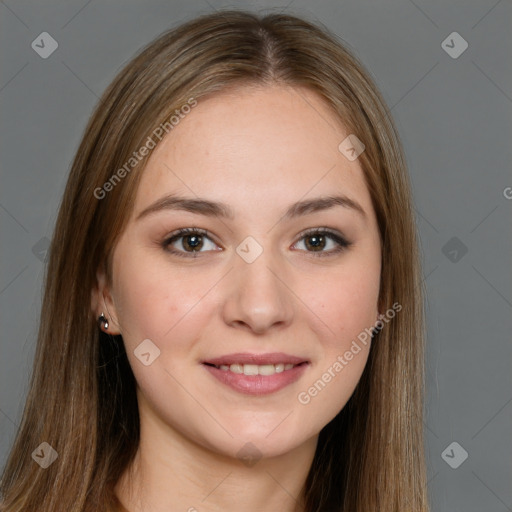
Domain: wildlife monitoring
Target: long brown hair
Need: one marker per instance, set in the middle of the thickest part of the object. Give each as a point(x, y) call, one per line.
point(82, 398)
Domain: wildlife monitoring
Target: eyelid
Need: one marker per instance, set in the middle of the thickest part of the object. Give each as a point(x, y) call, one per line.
point(181, 233)
point(340, 240)
point(320, 229)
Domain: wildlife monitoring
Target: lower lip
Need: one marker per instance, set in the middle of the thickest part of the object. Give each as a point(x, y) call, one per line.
point(257, 384)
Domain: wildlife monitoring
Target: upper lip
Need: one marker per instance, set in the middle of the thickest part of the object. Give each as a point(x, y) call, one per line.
point(259, 359)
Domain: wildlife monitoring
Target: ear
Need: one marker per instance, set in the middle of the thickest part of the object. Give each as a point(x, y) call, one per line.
point(102, 301)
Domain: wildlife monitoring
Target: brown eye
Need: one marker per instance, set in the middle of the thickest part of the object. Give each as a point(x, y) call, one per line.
point(315, 241)
point(194, 242)
point(188, 241)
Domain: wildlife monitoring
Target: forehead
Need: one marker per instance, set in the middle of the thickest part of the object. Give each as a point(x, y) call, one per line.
point(251, 147)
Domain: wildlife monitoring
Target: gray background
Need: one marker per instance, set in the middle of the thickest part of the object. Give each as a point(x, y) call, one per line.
point(454, 117)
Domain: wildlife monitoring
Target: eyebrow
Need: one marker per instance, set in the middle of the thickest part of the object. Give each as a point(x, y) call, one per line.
point(214, 209)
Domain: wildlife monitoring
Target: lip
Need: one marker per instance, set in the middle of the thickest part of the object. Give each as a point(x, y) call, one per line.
point(257, 385)
point(248, 358)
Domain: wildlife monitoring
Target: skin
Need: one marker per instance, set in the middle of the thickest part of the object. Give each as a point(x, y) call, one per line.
point(258, 150)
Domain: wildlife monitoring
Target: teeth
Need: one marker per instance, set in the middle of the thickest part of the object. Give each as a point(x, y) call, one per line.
point(266, 369)
point(250, 369)
point(237, 368)
point(255, 369)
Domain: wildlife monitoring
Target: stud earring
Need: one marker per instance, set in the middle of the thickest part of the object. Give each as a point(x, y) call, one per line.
point(102, 320)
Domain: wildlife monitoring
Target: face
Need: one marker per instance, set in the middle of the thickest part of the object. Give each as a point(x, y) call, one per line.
point(242, 329)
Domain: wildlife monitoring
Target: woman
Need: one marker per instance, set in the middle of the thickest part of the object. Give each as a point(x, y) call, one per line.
point(233, 309)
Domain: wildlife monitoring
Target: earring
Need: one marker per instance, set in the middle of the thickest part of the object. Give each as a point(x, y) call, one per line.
point(102, 320)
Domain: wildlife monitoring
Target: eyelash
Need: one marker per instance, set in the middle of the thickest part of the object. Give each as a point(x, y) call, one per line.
point(181, 233)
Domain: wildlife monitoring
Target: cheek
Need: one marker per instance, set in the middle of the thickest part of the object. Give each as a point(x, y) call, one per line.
point(344, 314)
point(349, 311)
point(347, 304)
point(139, 305)
point(164, 305)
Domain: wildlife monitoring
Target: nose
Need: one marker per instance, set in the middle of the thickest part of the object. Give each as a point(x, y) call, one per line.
point(257, 297)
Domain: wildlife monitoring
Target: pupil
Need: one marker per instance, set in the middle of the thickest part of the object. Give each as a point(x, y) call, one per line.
point(318, 241)
point(193, 241)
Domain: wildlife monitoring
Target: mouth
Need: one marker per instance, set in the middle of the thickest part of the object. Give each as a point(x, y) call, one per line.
point(256, 364)
point(255, 369)
point(256, 374)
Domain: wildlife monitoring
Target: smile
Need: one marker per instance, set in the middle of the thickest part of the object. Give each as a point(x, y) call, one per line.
point(256, 374)
point(255, 369)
